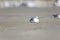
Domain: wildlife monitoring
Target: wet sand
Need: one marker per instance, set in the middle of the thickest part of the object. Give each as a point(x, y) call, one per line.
point(15, 25)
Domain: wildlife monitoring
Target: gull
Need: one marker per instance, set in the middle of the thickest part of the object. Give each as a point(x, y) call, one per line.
point(30, 4)
point(56, 16)
point(6, 4)
point(34, 19)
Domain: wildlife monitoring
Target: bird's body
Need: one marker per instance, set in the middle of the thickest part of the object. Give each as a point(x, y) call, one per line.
point(34, 20)
point(57, 16)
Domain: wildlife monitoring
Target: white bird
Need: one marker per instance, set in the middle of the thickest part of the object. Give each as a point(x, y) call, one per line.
point(30, 4)
point(6, 4)
point(34, 19)
point(57, 16)
point(57, 3)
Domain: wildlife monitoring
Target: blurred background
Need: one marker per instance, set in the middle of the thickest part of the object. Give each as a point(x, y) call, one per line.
point(28, 3)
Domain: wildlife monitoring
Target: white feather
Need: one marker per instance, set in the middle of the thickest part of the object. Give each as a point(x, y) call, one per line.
point(35, 20)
